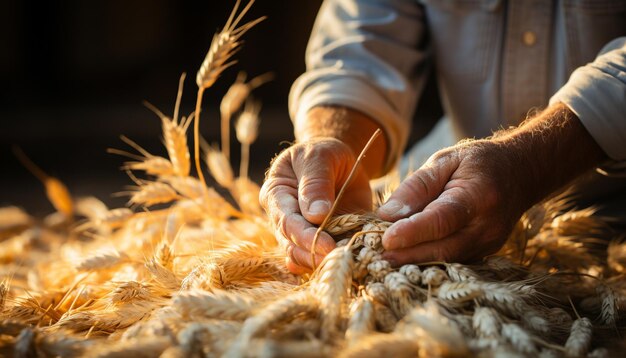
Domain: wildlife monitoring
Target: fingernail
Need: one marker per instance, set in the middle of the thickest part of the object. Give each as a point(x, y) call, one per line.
point(394, 207)
point(319, 207)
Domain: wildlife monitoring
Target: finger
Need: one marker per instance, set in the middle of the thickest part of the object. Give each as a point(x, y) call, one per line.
point(302, 257)
point(299, 231)
point(278, 195)
point(419, 189)
point(295, 268)
point(283, 209)
point(456, 248)
point(316, 189)
point(441, 218)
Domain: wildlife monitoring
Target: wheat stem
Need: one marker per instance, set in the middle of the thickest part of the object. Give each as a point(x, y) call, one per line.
point(245, 160)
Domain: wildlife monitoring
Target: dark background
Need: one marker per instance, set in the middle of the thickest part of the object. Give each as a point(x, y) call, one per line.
point(74, 74)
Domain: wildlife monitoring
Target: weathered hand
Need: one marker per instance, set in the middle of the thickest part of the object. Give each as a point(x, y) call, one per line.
point(459, 206)
point(299, 191)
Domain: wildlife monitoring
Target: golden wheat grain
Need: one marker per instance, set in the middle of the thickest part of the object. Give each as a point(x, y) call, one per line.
point(224, 44)
point(608, 313)
point(188, 187)
point(459, 292)
point(101, 261)
point(362, 320)
point(386, 320)
point(374, 238)
point(379, 269)
point(344, 223)
point(4, 293)
point(164, 255)
point(220, 168)
point(151, 164)
point(400, 293)
point(247, 130)
point(163, 276)
point(579, 340)
point(332, 288)
point(215, 304)
point(460, 273)
point(175, 135)
point(364, 258)
point(284, 308)
point(438, 336)
point(433, 276)
point(154, 166)
point(486, 322)
point(502, 298)
point(534, 321)
point(519, 338)
point(232, 101)
point(412, 273)
point(153, 193)
point(175, 138)
point(128, 291)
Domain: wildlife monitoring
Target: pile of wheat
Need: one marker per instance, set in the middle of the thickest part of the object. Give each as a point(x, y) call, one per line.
point(192, 273)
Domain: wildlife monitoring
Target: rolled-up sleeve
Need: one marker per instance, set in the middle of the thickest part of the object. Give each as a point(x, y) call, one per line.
point(596, 93)
point(369, 55)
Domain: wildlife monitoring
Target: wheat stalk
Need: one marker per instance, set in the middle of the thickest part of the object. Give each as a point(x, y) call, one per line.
point(232, 101)
point(223, 46)
point(246, 128)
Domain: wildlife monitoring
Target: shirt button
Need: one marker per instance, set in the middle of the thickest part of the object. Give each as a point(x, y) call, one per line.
point(529, 38)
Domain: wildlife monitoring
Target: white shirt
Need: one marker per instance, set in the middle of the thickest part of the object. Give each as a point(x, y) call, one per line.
point(495, 61)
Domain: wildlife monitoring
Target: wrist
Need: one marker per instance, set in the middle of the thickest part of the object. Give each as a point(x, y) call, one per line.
point(350, 127)
point(548, 151)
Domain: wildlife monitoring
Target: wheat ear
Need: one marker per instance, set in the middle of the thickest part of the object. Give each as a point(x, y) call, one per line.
point(247, 130)
point(223, 47)
point(56, 191)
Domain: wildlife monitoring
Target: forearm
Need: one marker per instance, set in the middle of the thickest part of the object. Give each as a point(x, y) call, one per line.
point(349, 126)
point(550, 150)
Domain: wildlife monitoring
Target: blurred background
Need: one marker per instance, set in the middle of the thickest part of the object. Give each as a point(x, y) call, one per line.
point(74, 74)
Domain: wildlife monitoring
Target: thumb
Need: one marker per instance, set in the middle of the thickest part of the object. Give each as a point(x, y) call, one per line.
point(316, 190)
point(420, 188)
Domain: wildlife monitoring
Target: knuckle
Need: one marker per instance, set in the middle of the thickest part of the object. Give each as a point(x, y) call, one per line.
point(281, 226)
point(310, 183)
point(417, 185)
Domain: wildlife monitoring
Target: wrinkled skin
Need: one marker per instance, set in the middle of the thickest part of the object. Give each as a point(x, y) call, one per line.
point(451, 209)
point(298, 193)
point(459, 206)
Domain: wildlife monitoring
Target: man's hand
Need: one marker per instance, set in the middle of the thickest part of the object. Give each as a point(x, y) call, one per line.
point(300, 189)
point(462, 204)
point(459, 206)
point(303, 181)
